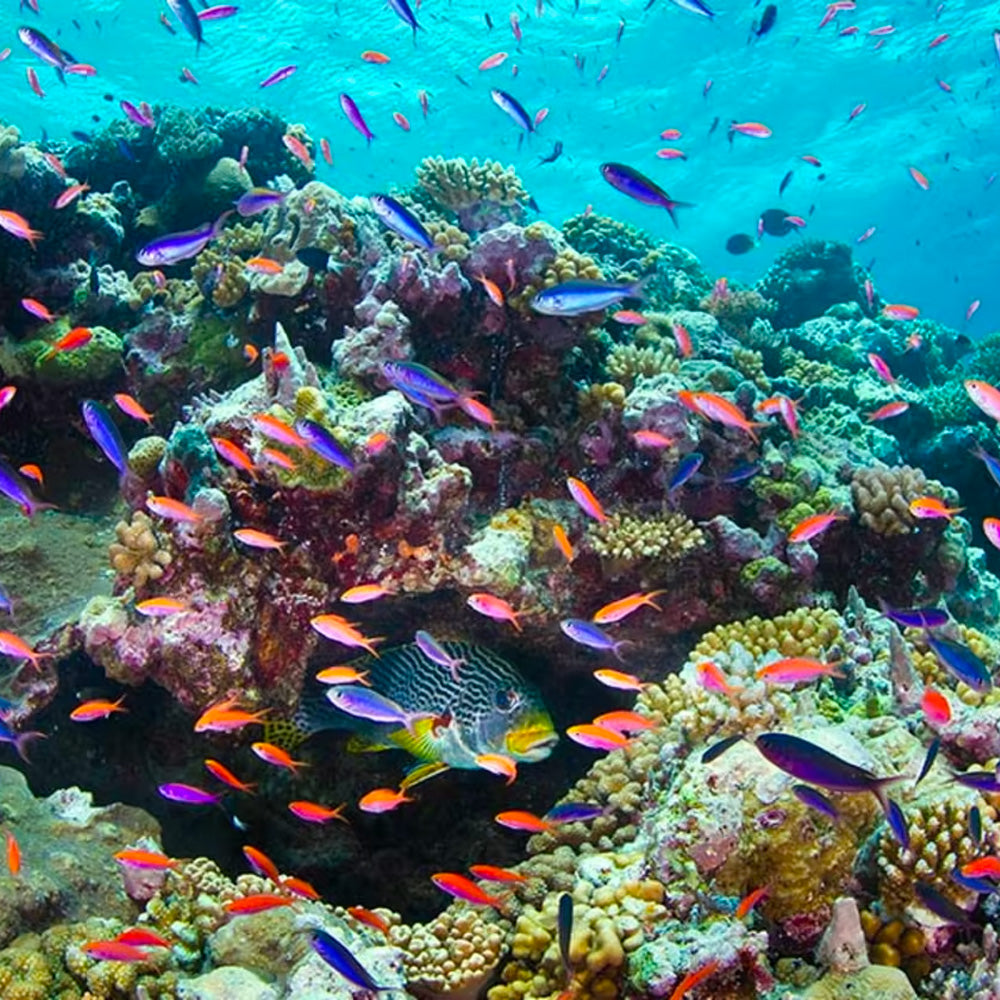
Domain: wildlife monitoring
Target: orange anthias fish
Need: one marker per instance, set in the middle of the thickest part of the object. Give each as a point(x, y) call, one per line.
point(748, 902)
point(492, 289)
point(363, 593)
point(596, 737)
point(380, 800)
point(980, 868)
point(234, 455)
point(338, 629)
point(277, 757)
point(32, 471)
point(172, 510)
point(371, 56)
point(343, 675)
point(936, 707)
point(255, 539)
point(932, 507)
point(19, 227)
point(497, 763)
point(465, 889)
point(261, 863)
point(586, 500)
point(711, 678)
point(563, 544)
point(13, 854)
point(619, 680)
point(622, 608)
point(160, 607)
point(257, 903)
point(624, 721)
point(114, 951)
point(220, 771)
point(797, 670)
point(313, 812)
point(715, 407)
point(150, 860)
point(524, 822)
point(693, 979)
point(78, 337)
point(97, 708)
point(810, 527)
point(263, 265)
point(369, 918)
point(142, 937)
point(494, 607)
point(132, 407)
point(226, 717)
point(300, 887)
point(491, 873)
point(16, 647)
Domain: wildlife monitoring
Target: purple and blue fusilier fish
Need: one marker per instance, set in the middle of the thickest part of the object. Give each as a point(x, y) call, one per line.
point(402, 221)
point(811, 763)
point(321, 442)
point(983, 885)
point(981, 781)
point(135, 115)
point(590, 635)
point(7, 606)
point(513, 108)
point(188, 16)
point(189, 795)
point(976, 825)
point(218, 12)
point(915, 617)
point(175, 247)
point(257, 200)
point(564, 923)
point(575, 298)
point(815, 799)
point(716, 750)
point(339, 957)
point(19, 741)
point(687, 468)
point(941, 906)
point(991, 462)
point(897, 823)
point(961, 663)
point(574, 812)
point(419, 384)
point(743, 472)
point(402, 10)
point(436, 653)
point(364, 703)
point(695, 7)
point(105, 434)
point(278, 75)
point(929, 758)
point(15, 488)
point(637, 185)
point(41, 46)
point(350, 109)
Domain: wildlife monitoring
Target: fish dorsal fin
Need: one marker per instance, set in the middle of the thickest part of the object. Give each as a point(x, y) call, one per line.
point(421, 773)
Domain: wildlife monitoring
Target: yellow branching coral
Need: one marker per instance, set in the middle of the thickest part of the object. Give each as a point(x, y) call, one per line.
point(594, 401)
point(802, 632)
point(453, 243)
point(625, 539)
point(882, 497)
point(458, 184)
point(138, 554)
point(627, 362)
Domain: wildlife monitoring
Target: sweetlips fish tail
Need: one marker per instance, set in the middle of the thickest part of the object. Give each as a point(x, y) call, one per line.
point(422, 772)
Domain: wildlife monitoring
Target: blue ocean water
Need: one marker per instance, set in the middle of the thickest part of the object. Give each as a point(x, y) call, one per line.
point(934, 249)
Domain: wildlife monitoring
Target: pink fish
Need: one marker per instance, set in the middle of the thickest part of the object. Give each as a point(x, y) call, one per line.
point(756, 130)
point(920, 178)
point(540, 115)
point(494, 607)
point(670, 134)
point(869, 293)
point(985, 396)
point(885, 29)
point(132, 407)
point(867, 234)
point(277, 76)
point(813, 526)
point(585, 499)
point(354, 116)
point(188, 77)
point(899, 311)
point(603, 73)
point(944, 86)
point(991, 528)
point(683, 339)
point(33, 82)
point(651, 439)
point(80, 69)
point(789, 414)
point(881, 369)
point(401, 120)
point(491, 62)
point(36, 309)
point(971, 311)
point(937, 41)
point(515, 26)
point(888, 411)
point(669, 153)
point(69, 195)
point(707, 87)
point(851, 30)
point(856, 110)
point(218, 12)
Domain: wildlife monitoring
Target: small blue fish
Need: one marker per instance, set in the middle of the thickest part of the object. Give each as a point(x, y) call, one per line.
point(436, 653)
point(175, 247)
point(742, 472)
point(915, 617)
point(402, 221)
point(574, 812)
point(402, 10)
point(716, 750)
point(588, 634)
point(188, 16)
point(105, 434)
point(981, 781)
point(324, 444)
point(15, 488)
point(257, 200)
point(19, 741)
point(931, 756)
point(512, 107)
point(976, 825)
point(7, 605)
point(972, 884)
point(419, 384)
point(639, 187)
point(564, 922)
point(991, 462)
point(897, 823)
point(339, 957)
point(575, 298)
point(941, 906)
point(815, 799)
point(364, 703)
point(687, 467)
point(961, 663)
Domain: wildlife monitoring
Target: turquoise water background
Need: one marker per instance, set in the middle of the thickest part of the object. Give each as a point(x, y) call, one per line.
point(935, 249)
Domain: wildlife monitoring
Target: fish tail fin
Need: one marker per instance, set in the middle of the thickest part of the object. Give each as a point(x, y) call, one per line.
point(220, 222)
point(22, 741)
point(672, 206)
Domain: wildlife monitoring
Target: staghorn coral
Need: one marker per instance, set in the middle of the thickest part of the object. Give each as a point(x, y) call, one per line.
point(625, 539)
point(483, 196)
point(138, 556)
point(454, 954)
point(882, 497)
point(627, 362)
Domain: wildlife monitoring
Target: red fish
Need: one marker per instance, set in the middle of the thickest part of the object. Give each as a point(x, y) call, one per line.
point(893, 409)
point(797, 670)
point(78, 337)
point(748, 902)
point(920, 178)
point(97, 708)
point(149, 860)
point(523, 822)
point(13, 854)
point(810, 527)
point(220, 771)
point(261, 863)
point(313, 812)
point(114, 951)
point(936, 707)
point(369, 918)
point(256, 903)
point(693, 979)
point(465, 889)
point(70, 195)
point(142, 937)
point(490, 873)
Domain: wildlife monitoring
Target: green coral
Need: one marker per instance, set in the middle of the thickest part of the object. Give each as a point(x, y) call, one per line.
point(616, 245)
point(96, 361)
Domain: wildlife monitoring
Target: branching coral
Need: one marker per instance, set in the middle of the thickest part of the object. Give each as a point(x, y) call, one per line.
point(625, 539)
point(736, 309)
point(483, 196)
point(627, 362)
point(138, 556)
point(595, 401)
